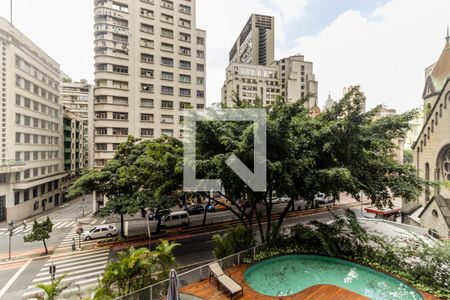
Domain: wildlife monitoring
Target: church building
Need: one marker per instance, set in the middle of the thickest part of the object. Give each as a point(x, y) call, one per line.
point(431, 152)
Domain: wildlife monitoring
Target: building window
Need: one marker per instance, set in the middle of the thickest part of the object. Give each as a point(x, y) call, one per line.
point(147, 118)
point(120, 131)
point(167, 33)
point(185, 37)
point(166, 47)
point(146, 131)
point(147, 73)
point(200, 94)
point(120, 100)
point(167, 104)
point(147, 43)
point(147, 28)
point(165, 61)
point(434, 213)
point(185, 92)
point(101, 131)
point(120, 69)
point(185, 78)
point(185, 51)
point(147, 87)
point(200, 54)
point(200, 41)
point(200, 80)
point(166, 76)
point(166, 90)
point(101, 115)
point(147, 102)
point(147, 13)
point(184, 105)
point(185, 64)
point(201, 67)
point(123, 85)
point(101, 147)
point(166, 119)
point(168, 132)
point(185, 9)
point(184, 23)
point(120, 116)
point(147, 58)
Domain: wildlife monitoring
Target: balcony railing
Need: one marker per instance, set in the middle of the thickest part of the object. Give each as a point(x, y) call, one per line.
point(158, 290)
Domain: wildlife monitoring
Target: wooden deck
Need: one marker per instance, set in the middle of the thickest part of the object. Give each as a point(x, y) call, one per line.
point(208, 290)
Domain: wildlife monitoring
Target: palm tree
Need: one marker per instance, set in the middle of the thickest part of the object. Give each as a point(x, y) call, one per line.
point(131, 272)
point(164, 254)
point(54, 289)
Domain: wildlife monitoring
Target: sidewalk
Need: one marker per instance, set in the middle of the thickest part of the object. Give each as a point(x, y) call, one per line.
point(18, 255)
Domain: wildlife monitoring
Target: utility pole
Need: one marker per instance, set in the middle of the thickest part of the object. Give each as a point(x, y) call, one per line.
point(11, 11)
point(52, 272)
point(10, 228)
point(83, 204)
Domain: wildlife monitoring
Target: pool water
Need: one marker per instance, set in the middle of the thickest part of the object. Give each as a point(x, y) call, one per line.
point(290, 274)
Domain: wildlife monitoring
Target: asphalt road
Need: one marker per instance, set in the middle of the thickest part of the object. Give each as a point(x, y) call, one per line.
point(193, 250)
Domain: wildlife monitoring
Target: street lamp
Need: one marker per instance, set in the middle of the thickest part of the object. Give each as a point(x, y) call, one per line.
point(148, 229)
point(10, 228)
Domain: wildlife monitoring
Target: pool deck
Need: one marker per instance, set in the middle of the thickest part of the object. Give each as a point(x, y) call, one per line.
point(208, 290)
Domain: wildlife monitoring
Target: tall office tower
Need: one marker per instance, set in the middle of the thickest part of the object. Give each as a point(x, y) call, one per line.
point(30, 148)
point(78, 98)
point(255, 44)
point(149, 66)
point(290, 78)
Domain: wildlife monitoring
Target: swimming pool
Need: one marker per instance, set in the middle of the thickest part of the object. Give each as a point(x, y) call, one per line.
point(290, 274)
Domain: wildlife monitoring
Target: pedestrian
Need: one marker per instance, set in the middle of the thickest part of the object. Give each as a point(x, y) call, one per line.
point(24, 224)
point(73, 244)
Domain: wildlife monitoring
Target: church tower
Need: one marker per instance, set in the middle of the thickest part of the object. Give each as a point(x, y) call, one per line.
point(435, 77)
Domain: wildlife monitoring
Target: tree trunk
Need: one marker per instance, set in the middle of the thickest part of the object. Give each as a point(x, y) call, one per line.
point(258, 220)
point(45, 246)
point(284, 213)
point(122, 233)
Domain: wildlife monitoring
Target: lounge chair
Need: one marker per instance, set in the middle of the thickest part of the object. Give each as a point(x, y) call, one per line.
point(230, 285)
point(215, 270)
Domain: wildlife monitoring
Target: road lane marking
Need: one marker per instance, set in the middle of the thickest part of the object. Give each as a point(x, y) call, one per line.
point(14, 278)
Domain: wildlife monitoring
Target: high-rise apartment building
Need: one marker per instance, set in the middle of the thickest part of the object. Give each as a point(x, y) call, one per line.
point(74, 141)
point(149, 66)
point(291, 78)
point(255, 44)
point(30, 126)
point(77, 97)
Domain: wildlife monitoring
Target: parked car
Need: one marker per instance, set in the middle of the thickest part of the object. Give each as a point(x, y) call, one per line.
point(276, 200)
point(100, 231)
point(195, 210)
point(161, 214)
point(320, 198)
point(244, 204)
point(210, 208)
point(176, 218)
point(285, 199)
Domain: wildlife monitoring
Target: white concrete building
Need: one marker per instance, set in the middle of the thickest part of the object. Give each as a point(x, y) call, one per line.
point(149, 66)
point(30, 148)
point(290, 78)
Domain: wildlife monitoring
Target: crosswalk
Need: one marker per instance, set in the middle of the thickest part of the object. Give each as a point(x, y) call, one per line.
point(57, 225)
point(84, 270)
point(66, 244)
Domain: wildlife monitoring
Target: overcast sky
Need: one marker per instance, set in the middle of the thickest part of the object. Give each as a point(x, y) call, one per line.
point(383, 45)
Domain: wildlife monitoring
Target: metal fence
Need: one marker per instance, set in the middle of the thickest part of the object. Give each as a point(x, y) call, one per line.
point(158, 290)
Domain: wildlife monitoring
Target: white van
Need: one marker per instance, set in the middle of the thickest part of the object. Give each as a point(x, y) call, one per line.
point(176, 218)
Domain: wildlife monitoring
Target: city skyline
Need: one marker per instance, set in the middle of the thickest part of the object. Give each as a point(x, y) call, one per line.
point(302, 27)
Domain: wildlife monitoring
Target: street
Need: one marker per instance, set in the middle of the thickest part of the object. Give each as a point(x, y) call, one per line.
point(84, 268)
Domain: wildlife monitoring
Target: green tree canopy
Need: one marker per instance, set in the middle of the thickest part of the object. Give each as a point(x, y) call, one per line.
point(40, 232)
